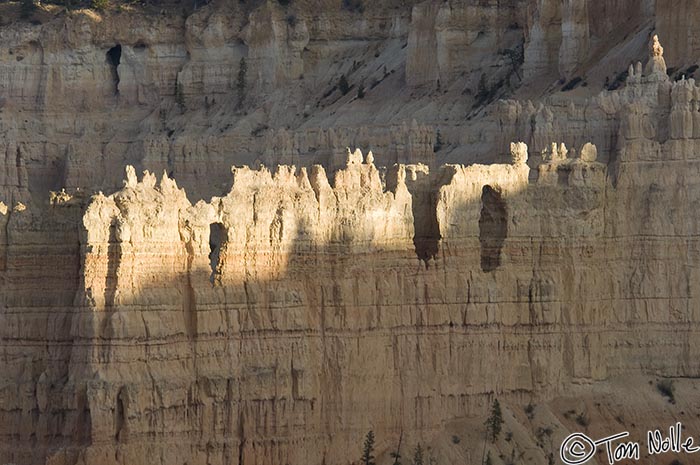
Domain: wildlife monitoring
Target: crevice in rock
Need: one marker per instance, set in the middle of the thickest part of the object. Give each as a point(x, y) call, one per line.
point(531, 302)
point(426, 229)
point(83, 433)
point(114, 56)
point(426, 237)
point(119, 417)
point(493, 228)
point(6, 243)
point(217, 239)
point(190, 302)
point(113, 258)
point(241, 437)
point(614, 157)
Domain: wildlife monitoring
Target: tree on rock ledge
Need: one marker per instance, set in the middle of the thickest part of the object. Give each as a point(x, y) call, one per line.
point(343, 85)
point(495, 421)
point(418, 455)
point(368, 449)
point(241, 82)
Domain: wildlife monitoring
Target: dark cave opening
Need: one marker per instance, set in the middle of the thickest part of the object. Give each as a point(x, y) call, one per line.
point(114, 56)
point(493, 228)
point(217, 238)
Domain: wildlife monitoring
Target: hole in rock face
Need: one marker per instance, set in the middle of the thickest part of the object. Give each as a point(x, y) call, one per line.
point(217, 238)
point(493, 228)
point(114, 56)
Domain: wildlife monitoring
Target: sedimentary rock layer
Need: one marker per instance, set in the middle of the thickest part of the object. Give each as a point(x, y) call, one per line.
point(84, 93)
point(279, 322)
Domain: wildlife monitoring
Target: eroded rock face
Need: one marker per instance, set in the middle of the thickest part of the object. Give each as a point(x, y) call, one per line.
point(280, 321)
point(678, 30)
point(86, 93)
point(448, 39)
point(560, 34)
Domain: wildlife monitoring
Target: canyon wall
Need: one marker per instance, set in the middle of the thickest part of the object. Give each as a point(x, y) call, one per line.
point(83, 93)
point(278, 323)
point(276, 313)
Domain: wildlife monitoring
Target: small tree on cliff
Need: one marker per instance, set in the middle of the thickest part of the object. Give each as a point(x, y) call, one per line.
point(343, 85)
point(396, 455)
point(240, 83)
point(494, 422)
point(368, 449)
point(180, 97)
point(418, 455)
point(438, 141)
point(361, 91)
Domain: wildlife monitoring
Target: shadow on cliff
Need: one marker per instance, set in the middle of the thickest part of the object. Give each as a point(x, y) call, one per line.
point(297, 336)
point(344, 337)
point(493, 218)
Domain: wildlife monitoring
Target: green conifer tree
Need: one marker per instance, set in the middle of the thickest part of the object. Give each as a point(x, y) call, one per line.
point(343, 85)
point(418, 455)
point(494, 422)
point(368, 449)
point(241, 82)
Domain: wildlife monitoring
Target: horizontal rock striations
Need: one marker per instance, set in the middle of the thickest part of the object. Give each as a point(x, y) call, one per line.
point(278, 323)
point(281, 321)
point(84, 93)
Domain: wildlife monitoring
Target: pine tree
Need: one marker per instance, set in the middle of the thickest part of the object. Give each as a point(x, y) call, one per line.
point(241, 82)
point(483, 85)
point(180, 97)
point(343, 85)
point(361, 91)
point(418, 455)
point(494, 422)
point(484, 93)
point(438, 142)
point(368, 449)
